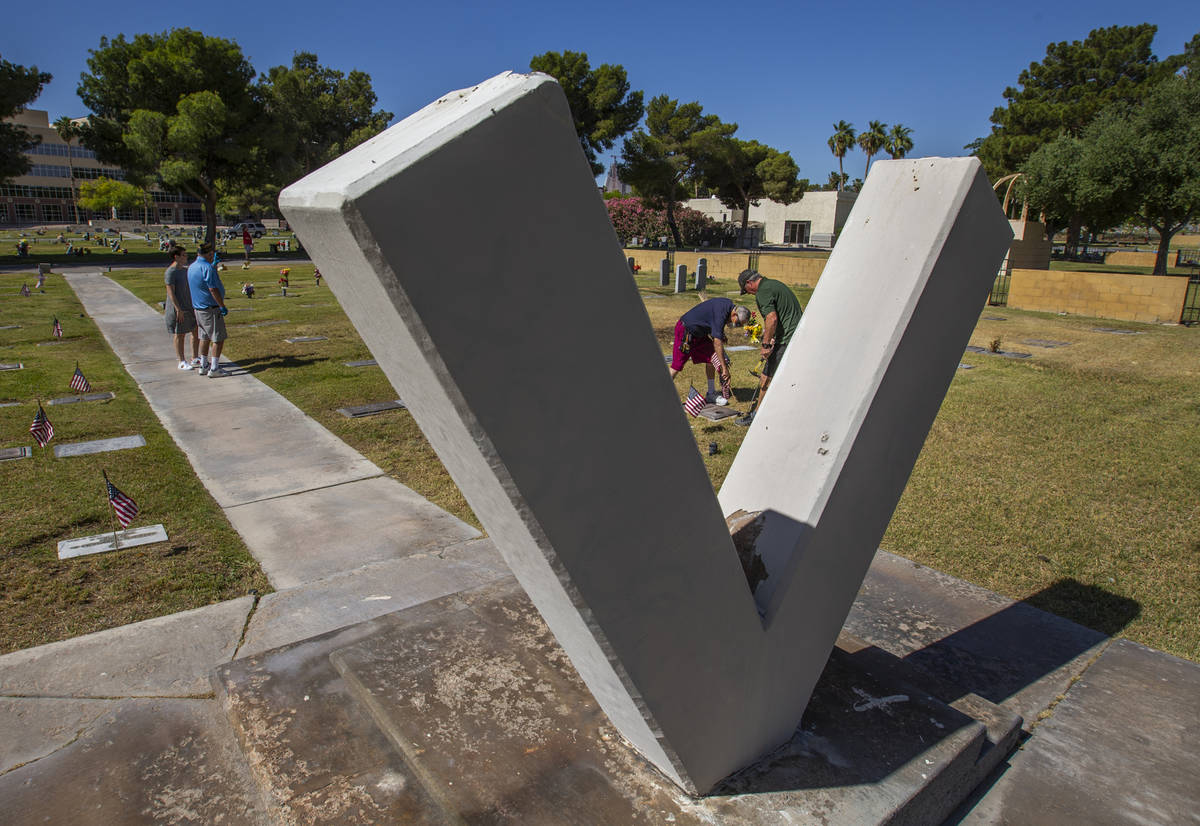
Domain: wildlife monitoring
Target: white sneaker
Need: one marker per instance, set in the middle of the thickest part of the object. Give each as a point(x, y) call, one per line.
point(196, 362)
point(183, 365)
point(216, 373)
point(722, 401)
point(713, 397)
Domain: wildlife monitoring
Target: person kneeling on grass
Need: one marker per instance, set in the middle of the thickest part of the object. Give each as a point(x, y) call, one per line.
point(700, 334)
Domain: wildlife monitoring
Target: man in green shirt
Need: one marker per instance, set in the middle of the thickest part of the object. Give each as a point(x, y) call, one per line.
point(781, 313)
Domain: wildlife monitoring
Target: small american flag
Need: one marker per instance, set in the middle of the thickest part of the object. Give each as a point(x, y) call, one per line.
point(25, 290)
point(41, 428)
point(57, 328)
point(124, 507)
point(78, 382)
point(726, 389)
point(694, 403)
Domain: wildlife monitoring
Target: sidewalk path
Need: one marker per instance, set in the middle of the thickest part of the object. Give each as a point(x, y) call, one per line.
point(306, 504)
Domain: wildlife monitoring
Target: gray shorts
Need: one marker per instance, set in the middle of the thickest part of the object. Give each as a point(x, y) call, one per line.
point(211, 324)
point(178, 328)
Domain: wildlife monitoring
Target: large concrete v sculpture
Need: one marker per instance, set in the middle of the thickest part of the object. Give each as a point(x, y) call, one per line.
point(469, 248)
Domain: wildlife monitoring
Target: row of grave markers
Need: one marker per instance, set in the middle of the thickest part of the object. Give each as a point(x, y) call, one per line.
point(681, 274)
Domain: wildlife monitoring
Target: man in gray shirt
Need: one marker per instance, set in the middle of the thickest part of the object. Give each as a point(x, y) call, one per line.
point(181, 318)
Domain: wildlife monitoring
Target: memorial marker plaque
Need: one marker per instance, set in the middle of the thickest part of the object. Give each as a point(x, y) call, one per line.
point(371, 409)
point(1049, 344)
point(701, 672)
point(17, 366)
point(99, 446)
point(303, 339)
point(1117, 331)
point(8, 453)
point(100, 543)
point(363, 363)
point(90, 397)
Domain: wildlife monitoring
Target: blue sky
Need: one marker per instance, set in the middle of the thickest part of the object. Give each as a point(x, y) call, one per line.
point(784, 72)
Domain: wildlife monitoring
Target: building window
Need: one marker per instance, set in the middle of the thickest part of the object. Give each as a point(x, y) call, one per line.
point(45, 170)
point(796, 232)
point(193, 216)
point(24, 212)
point(3, 213)
point(166, 214)
point(51, 213)
point(129, 214)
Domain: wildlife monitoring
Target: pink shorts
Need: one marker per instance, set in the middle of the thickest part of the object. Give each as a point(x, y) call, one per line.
point(700, 352)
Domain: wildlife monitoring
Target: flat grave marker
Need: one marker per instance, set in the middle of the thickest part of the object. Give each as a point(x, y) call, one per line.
point(11, 327)
point(715, 414)
point(359, 411)
point(963, 366)
point(90, 397)
point(303, 339)
point(1049, 344)
point(17, 366)
point(8, 453)
point(363, 363)
point(1117, 331)
point(99, 446)
point(100, 543)
point(48, 343)
point(994, 318)
point(10, 404)
point(971, 348)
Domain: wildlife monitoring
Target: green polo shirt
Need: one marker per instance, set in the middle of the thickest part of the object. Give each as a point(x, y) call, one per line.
point(775, 297)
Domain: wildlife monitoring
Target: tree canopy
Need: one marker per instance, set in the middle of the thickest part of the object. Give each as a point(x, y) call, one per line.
point(601, 103)
point(19, 86)
point(176, 107)
point(104, 194)
point(743, 172)
point(1064, 92)
point(1143, 160)
point(871, 140)
point(319, 113)
point(841, 142)
point(899, 141)
point(656, 160)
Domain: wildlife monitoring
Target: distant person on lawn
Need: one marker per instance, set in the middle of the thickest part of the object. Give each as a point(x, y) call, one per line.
point(699, 334)
point(208, 300)
point(781, 314)
point(247, 243)
point(181, 318)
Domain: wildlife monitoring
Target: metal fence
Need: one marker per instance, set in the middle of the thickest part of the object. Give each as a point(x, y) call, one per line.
point(1191, 302)
point(999, 294)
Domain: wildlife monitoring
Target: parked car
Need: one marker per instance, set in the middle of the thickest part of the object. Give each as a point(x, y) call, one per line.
point(257, 230)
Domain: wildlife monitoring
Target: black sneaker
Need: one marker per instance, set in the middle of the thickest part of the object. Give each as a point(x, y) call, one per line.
point(744, 421)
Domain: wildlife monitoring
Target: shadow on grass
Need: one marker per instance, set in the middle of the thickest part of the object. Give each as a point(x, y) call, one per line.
point(260, 363)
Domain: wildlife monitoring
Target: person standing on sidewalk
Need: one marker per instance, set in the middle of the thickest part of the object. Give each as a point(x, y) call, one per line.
point(181, 318)
point(208, 300)
point(781, 313)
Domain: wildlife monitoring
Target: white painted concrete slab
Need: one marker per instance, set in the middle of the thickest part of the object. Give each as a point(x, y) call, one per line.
point(118, 541)
point(168, 656)
point(649, 601)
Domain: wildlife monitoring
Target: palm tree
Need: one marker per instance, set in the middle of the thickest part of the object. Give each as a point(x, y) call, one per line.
point(872, 140)
point(841, 142)
point(899, 141)
point(68, 131)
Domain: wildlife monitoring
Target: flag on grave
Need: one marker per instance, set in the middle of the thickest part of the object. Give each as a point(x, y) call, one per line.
point(41, 428)
point(124, 507)
point(694, 403)
point(25, 290)
point(57, 328)
point(717, 363)
point(78, 382)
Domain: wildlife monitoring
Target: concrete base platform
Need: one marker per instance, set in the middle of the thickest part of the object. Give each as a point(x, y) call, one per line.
point(465, 709)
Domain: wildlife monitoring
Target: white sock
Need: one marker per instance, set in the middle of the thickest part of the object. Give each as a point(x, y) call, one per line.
point(711, 387)
point(212, 364)
point(203, 362)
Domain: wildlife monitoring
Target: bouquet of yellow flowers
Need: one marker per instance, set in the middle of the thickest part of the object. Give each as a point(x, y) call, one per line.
point(754, 328)
point(283, 276)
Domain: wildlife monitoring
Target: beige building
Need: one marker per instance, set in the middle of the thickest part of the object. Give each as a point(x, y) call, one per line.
point(813, 221)
point(44, 194)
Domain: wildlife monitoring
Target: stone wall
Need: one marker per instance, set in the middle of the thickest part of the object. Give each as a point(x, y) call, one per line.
point(789, 268)
point(1132, 258)
point(1148, 298)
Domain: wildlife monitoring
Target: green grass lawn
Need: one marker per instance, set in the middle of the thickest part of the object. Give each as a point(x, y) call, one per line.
point(43, 599)
point(1069, 479)
point(44, 249)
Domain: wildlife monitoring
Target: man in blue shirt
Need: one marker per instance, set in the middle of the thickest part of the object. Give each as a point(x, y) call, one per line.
point(700, 334)
point(208, 300)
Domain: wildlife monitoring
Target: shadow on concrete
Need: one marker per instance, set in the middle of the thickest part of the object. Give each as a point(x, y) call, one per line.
point(1003, 654)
